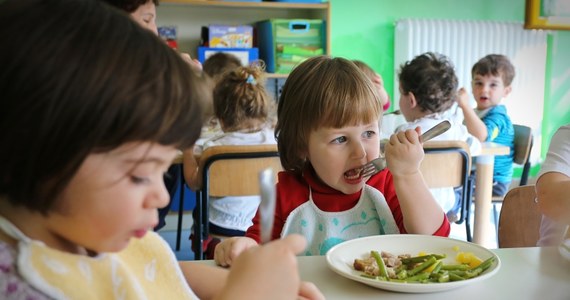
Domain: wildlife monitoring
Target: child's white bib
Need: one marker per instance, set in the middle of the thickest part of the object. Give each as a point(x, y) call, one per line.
point(323, 230)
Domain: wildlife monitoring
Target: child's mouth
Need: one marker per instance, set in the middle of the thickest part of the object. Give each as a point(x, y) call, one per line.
point(353, 174)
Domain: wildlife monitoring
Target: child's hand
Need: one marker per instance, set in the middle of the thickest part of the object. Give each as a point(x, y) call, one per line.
point(463, 99)
point(191, 61)
point(404, 152)
point(227, 251)
point(270, 272)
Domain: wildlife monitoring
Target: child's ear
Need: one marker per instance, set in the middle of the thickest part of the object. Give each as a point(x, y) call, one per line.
point(412, 100)
point(508, 90)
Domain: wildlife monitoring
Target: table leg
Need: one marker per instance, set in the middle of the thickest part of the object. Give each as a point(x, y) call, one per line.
point(483, 197)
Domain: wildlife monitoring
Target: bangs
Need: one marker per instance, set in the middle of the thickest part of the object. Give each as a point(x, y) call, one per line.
point(348, 100)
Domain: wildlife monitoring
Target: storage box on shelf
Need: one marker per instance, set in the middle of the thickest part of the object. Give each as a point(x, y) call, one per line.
point(190, 15)
point(284, 43)
point(245, 55)
point(230, 36)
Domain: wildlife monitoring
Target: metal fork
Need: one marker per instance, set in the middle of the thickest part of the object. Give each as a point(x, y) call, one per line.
point(267, 204)
point(376, 165)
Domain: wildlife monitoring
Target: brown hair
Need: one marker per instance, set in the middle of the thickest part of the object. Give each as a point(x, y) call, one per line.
point(432, 80)
point(240, 99)
point(496, 65)
point(120, 84)
point(364, 68)
point(219, 63)
point(321, 91)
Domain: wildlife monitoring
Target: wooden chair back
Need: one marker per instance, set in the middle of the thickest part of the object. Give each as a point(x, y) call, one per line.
point(446, 163)
point(523, 143)
point(234, 170)
point(519, 221)
point(229, 170)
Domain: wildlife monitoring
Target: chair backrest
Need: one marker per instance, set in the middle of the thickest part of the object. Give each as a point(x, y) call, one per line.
point(446, 163)
point(234, 170)
point(523, 143)
point(519, 222)
point(229, 170)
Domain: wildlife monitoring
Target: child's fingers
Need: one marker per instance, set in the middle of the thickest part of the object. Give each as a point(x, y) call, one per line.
point(295, 242)
point(310, 291)
point(220, 254)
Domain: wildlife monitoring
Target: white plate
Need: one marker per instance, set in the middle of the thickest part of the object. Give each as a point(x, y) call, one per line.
point(341, 257)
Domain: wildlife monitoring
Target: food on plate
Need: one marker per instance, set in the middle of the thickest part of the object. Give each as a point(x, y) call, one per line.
point(424, 268)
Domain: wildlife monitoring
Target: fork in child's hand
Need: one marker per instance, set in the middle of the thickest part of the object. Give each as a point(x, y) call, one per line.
point(376, 165)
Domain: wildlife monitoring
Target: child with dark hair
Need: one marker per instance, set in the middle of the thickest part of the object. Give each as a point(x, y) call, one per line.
point(219, 63)
point(428, 88)
point(491, 82)
point(327, 129)
point(143, 12)
point(81, 179)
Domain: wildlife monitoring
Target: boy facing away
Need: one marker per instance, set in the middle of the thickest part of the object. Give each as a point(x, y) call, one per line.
point(428, 88)
point(491, 81)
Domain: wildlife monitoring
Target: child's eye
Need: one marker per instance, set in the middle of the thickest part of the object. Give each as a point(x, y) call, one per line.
point(339, 140)
point(369, 133)
point(139, 180)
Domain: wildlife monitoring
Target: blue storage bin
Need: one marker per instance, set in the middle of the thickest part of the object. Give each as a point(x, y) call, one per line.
point(246, 55)
point(299, 1)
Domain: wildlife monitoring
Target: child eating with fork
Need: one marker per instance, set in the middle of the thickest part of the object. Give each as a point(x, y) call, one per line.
point(327, 129)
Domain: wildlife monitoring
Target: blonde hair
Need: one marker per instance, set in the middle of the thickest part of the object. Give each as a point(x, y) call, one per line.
point(321, 92)
point(240, 99)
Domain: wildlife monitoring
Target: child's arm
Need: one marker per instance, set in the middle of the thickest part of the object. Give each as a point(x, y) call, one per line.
point(191, 170)
point(553, 200)
point(421, 213)
point(474, 124)
point(254, 275)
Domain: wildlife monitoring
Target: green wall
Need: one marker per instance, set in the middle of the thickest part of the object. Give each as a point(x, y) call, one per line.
point(364, 29)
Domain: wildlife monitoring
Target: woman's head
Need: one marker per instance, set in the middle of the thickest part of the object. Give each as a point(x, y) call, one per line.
point(431, 78)
point(142, 11)
point(240, 99)
point(322, 92)
point(85, 86)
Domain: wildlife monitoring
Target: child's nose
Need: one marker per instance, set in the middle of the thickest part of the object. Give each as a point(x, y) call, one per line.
point(358, 150)
point(159, 197)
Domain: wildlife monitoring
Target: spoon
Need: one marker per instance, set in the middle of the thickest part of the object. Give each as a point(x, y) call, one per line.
point(267, 204)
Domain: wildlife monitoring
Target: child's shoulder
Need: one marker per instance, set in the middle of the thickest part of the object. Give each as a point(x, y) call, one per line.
point(12, 285)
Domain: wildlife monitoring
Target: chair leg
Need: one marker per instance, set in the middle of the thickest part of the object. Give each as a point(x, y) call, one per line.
point(198, 251)
point(180, 210)
point(467, 208)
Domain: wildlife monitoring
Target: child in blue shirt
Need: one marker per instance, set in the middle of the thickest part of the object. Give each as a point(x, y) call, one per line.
point(491, 82)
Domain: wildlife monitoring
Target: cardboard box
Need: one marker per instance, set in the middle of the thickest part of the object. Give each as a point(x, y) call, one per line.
point(226, 36)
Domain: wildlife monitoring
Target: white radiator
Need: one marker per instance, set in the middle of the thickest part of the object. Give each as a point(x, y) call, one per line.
point(465, 42)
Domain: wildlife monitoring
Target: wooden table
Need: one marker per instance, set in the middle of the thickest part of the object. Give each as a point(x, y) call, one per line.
point(484, 163)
